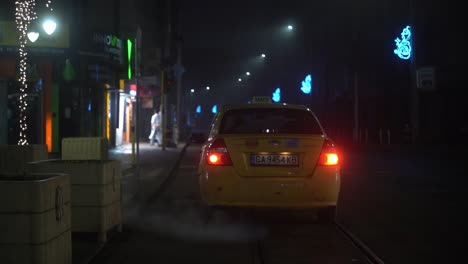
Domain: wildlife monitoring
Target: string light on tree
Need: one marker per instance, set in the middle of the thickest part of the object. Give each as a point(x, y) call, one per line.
point(49, 5)
point(24, 16)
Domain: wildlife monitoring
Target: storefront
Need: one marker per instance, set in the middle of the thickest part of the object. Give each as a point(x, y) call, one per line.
point(46, 61)
point(98, 103)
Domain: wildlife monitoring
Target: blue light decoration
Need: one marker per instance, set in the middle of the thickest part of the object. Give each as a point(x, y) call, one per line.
point(403, 45)
point(214, 110)
point(89, 107)
point(198, 109)
point(277, 95)
point(307, 84)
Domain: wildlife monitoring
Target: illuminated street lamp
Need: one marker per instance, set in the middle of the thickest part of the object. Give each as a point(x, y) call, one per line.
point(247, 73)
point(192, 90)
point(240, 80)
point(263, 55)
point(290, 28)
point(207, 88)
point(49, 26)
point(33, 36)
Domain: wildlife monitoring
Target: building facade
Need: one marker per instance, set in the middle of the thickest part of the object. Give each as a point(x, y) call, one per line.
point(82, 79)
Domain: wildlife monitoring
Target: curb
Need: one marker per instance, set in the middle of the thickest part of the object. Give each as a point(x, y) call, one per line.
point(166, 176)
point(135, 198)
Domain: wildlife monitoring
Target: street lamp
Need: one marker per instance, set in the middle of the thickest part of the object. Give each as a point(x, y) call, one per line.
point(290, 28)
point(240, 79)
point(49, 26)
point(263, 55)
point(192, 90)
point(33, 36)
point(207, 88)
point(247, 73)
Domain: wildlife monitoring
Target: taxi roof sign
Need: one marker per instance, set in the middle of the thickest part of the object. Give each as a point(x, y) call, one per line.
point(261, 100)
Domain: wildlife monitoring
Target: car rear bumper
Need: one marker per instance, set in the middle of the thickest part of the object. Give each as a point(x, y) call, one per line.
point(222, 186)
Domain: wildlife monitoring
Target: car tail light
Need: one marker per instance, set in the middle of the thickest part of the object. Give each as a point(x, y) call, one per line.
point(329, 155)
point(217, 154)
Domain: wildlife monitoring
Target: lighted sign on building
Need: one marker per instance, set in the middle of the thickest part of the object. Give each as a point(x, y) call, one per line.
point(307, 84)
point(133, 89)
point(129, 58)
point(403, 45)
point(276, 95)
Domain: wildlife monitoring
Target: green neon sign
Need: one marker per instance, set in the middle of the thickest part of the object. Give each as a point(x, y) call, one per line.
point(129, 55)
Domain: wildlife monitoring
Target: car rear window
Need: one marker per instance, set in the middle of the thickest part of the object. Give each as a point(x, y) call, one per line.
point(269, 120)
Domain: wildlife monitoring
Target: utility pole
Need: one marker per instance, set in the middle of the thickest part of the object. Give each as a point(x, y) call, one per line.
point(137, 76)
point(164, 68)
point(179, 70)
point(4, 110)
point(356, 108)
point(414, 90)
point(163, 107)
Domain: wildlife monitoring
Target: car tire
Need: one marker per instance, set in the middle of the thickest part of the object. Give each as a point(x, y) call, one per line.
point(326, 215)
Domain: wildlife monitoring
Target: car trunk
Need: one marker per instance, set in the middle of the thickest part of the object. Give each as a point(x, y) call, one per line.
point(274, 155)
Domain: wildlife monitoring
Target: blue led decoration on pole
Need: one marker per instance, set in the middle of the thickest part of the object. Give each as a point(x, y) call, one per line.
point(277, 95)
point(403, 45)
point(214, 110)
point(307, 84)
point(198, 109)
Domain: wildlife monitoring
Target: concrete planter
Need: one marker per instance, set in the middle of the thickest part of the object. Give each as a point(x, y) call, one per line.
point(84, 148)
point(99, 219)
point(35, 218)
point(95, 193)
point(13, 158)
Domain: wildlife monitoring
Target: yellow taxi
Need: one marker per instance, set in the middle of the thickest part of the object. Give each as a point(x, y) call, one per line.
point(273, 155)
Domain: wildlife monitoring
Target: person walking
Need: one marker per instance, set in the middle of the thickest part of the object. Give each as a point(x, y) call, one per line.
point(155, 127)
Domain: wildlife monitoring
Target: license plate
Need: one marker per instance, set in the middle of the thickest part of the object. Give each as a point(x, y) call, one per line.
point(274, 160)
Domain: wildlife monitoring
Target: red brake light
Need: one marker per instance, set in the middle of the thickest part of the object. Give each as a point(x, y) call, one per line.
point(214, 158)
point(329, 155)
point(217, 153)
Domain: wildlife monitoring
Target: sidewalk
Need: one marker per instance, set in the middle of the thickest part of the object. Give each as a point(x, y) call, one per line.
point(139, 183)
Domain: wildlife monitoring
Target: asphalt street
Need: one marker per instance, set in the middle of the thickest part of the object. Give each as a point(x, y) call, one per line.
point(403, 206)
point(174, 226)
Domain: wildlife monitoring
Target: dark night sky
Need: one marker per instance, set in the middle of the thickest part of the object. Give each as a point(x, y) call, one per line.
point(223, 37)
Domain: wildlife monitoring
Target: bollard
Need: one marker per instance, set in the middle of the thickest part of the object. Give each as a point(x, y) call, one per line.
point(380, 135)
point(367, 135)
point(388, 137)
